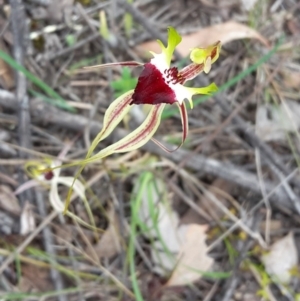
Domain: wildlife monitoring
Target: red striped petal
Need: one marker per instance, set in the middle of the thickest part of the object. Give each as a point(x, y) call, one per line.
point(102, 66)
point(143, 133)
point(113, 116)
point(135, 139)
point(185, 129)
point(191, 71)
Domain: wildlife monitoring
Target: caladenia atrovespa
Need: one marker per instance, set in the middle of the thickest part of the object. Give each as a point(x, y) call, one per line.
point(158, 85)
point(46, 174)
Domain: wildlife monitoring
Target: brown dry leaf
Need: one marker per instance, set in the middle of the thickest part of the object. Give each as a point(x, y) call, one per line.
point(27, 219)
point(274, 225)
point(282, 259)
point(225, 32)
point(8, 200)
point(291, 79)
point(64, 234)
point(175, 248)
point(294, 26)
point(6, 73)
point(192, 258)
point(34, 279)
point(109, 245)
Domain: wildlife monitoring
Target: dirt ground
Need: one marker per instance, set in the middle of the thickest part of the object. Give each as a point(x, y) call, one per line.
point(217, 219)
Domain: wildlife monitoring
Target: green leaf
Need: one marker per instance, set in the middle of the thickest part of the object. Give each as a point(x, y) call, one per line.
point(125, 83)
point(70, 40)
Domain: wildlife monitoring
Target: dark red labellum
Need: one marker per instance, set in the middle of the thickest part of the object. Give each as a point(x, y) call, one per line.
point(152, 88)
point(49, 175)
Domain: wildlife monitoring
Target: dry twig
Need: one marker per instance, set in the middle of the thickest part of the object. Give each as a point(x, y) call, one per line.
point(49, 247)
point(18, 22)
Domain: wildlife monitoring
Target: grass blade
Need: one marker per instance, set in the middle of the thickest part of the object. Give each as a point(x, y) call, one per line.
point(42, 85)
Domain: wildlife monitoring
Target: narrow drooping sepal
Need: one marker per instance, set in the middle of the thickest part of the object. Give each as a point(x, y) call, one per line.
point(185, 129)
point(103, 66)
point(113, 116)
point(152, 88)
point(184, 121)
point(135, 139)
point(158, 84)
point(132, 141)
point(143, 133)
point(191, 71)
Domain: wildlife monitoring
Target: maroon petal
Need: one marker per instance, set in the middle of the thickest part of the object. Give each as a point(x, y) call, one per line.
point(152, 88)
point(102, 66)
point(185, 129)
point(191, 71)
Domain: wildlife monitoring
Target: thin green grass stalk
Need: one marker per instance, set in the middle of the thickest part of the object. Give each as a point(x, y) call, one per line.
point(232, 253)
point(46, 264)
point(151, 185)
point(131, 252)
point(128, 22)
point(135, 205)
point(44, 257)
point(18, 267)
point(147, 181)
point(38, 254)
point(82, 222)
point(86, 62)
point(54, 102)
point(42, 85)
point(169, 112)
point(154, 213)
point(44, 295)
point(213, 275)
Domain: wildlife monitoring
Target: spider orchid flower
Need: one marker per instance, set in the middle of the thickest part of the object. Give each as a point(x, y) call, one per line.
point(47, 174)
point(158, 85)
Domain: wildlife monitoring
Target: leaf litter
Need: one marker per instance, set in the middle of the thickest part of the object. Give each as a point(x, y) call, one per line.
point(178, 251)
point(167, 240)
point(109, 244)
point(282, 259)
point(225, 33)
point(8, 200)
